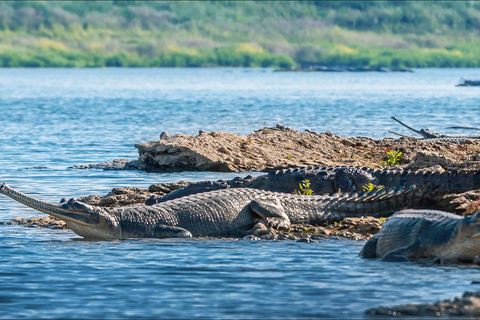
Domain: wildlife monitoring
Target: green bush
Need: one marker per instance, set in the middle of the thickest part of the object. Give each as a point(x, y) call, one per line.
point(9, 60)
point(116, 60)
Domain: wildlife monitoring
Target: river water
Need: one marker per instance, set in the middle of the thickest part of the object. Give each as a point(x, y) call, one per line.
point(51, 119)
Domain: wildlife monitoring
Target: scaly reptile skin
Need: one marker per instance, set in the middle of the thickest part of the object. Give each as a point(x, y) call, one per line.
point(327, 180)
point(426, 234)
point(229, 212)
point(453, 139)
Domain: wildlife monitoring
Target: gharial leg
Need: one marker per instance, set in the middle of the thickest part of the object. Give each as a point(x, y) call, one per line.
point(272, 212)
point(369, 251)
point(163, 231)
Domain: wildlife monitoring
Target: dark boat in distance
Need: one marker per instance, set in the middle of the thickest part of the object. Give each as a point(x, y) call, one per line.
point(468, 83)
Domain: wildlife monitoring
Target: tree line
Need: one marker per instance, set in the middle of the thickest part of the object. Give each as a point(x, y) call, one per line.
point(239, 33)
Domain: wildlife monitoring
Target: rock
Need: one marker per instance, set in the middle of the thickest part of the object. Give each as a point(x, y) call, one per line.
point(164, 135)
point(466, 306)
point(18, 220)
point(167, 187)
point(280, 147)
point(305, 240)
point(251, 238)
point(117, 164)
point(425, 159)
point(223, 150)
point(43, 222)
point(468, 141)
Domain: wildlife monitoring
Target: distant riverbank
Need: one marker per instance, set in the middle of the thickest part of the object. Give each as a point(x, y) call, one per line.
point(53, 54)
point(239, 34)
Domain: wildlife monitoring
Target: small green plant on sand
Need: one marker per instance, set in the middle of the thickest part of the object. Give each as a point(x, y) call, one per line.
point(370, 187)
point(288, 156)
point(304, 188)
point(393, 157)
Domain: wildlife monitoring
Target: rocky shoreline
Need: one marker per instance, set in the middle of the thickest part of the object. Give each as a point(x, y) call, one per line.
point(276, 148)
point(466, 306)
point(280, 147)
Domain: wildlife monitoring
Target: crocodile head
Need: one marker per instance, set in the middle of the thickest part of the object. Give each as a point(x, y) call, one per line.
point(470, 227)
point(466, 246)
point(85, 220)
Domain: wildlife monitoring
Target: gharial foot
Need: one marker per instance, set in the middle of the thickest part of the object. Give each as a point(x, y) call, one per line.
point(272, 213)
point(278, 223)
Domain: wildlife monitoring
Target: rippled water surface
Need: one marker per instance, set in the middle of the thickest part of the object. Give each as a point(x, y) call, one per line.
point(55, 118)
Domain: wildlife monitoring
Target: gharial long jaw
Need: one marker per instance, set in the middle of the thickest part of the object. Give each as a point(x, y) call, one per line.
point(85, 220)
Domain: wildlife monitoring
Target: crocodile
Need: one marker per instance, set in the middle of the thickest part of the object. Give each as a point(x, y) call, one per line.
point(230, 212)
point(329, 179)
point(410, 235)
point(432, 136)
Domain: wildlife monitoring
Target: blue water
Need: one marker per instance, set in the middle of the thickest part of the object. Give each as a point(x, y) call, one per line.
point(51, 119)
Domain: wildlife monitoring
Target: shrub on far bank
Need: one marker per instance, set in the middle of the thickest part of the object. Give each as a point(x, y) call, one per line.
point(218, 57)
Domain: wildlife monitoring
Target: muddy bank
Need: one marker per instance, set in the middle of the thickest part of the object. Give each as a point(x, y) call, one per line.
point(280, 147)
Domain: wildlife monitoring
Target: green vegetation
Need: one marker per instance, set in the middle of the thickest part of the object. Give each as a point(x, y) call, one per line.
point(370, 187)
point(239, 33)
point(305, 188)
point(393, 157)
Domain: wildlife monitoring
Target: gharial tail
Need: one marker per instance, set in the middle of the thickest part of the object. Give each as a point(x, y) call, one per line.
point(384, 203)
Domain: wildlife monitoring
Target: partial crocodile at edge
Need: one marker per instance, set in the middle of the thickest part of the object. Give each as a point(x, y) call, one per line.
point(426, 234)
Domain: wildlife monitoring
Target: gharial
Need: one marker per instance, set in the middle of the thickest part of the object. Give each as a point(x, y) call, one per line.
point(426, 234)
point(432, 136)
point(329, 179)
point(230, 212)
